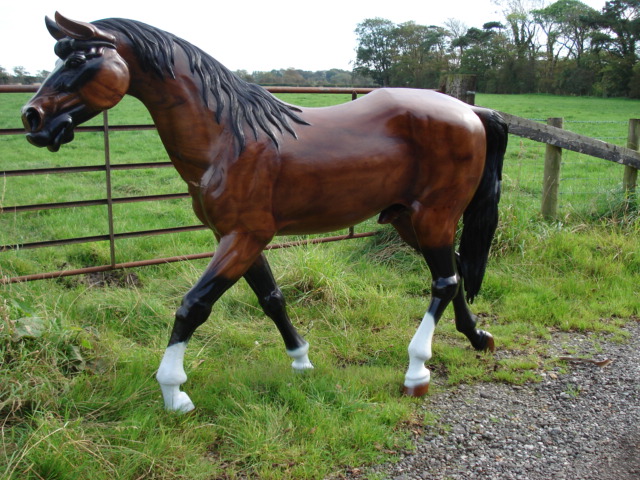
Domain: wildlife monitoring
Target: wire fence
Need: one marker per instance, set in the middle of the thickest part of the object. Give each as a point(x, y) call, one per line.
point(588, 186)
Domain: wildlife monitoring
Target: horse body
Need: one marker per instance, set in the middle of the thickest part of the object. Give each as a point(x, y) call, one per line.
point(322, 179)
point(385, 143)
point(256, 167)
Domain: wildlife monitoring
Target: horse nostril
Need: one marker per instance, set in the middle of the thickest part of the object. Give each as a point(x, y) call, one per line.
point(32, 119)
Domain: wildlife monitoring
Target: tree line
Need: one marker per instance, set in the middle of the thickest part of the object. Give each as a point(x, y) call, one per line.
point(303, 78)
point(565, 47)
point(20, 76)
point(289, 76)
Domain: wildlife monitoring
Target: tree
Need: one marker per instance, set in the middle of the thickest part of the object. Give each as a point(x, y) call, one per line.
point(621, 20)
point(291, 76)
point(521, 25)
point(421, 55)
point(246, 76)
point(456, 31)
point(566, 26)
point(42, 75)
point(338, 77)
point(482, 53)
point(20, 75)
point(619, 24)
point(407, 54)
point(564, 47)
point(376, 49)
point(518, 73)
point(4, 76)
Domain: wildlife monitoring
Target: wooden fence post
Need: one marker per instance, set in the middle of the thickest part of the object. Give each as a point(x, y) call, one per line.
point(551, 180)
point(462, 87)
point(630, 179)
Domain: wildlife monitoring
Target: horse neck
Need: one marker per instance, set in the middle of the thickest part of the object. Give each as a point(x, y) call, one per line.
point(186, 125)
point(170, 101)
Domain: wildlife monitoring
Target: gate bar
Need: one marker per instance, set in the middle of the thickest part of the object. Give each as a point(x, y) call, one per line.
point(160, 261)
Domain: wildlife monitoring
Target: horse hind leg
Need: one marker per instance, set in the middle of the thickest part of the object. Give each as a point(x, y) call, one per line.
point(444, 287)
point(428, 234)
point(466, 323)
point(261, 281)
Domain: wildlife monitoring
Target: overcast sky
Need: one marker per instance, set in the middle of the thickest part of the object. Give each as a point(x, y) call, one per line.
point(245, 34)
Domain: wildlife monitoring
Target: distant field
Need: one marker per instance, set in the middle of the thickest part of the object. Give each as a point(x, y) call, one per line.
point(78, 355)
point(588, 186)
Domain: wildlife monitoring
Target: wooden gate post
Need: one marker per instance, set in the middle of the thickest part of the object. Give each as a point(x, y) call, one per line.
point(551, 180)
point(630, 179)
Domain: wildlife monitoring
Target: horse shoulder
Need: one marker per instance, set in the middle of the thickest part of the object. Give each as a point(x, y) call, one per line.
point(238, 194)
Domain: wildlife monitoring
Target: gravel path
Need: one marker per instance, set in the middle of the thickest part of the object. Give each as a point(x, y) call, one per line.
point(581, 424)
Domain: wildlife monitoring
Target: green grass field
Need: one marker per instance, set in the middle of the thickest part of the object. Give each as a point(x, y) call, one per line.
point(78, 398)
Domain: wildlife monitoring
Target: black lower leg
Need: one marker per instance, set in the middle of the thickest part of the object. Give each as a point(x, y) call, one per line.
point(196, 306)
point(443, 290)
point(445, 279)
point(261, 281)
point(466, 323)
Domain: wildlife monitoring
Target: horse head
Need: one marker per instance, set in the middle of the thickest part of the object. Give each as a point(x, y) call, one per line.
point(90, 77)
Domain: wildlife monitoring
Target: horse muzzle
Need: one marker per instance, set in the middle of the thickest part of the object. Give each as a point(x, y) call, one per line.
point(47, 133)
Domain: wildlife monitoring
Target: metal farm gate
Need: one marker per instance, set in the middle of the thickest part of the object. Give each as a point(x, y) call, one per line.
point(110, 200)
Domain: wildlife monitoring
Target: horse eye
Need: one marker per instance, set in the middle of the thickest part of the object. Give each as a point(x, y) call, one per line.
point(75, 62)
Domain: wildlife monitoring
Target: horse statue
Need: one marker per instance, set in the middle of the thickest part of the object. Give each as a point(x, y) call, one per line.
point(257, 167)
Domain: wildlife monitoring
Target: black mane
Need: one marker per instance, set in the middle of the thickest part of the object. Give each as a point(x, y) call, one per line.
point(247, 102)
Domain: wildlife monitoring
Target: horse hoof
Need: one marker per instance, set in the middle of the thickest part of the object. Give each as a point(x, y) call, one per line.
point(301, 366)
point(182, 403)
point(176, 400)
point(491, 344)
point(416, 390)
point(300, 357)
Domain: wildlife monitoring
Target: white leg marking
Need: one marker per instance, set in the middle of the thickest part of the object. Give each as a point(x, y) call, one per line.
point(171, 375)
point(419, 353)
point(301, 360)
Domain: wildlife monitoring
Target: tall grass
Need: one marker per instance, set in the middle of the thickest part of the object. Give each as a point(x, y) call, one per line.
point(78, 355)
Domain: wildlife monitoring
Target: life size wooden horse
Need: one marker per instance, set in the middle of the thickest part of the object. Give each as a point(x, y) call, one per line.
point(257, 167)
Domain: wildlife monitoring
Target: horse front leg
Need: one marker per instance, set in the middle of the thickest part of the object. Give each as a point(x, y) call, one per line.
point(234, 256)
point(261, 281)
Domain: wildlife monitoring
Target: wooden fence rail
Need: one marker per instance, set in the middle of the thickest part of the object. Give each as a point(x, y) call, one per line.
point(552, 135)
point(557, 139)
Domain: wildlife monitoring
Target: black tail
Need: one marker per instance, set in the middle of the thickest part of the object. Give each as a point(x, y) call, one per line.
point(481, 216)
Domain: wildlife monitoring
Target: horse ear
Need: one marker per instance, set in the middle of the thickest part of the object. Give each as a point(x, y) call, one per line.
point(53, 28)
point(81, 30)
